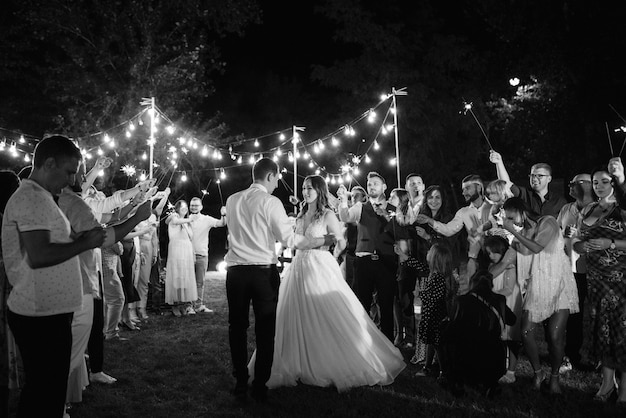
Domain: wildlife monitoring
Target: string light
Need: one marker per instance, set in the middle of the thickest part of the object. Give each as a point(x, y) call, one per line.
point(183, 177)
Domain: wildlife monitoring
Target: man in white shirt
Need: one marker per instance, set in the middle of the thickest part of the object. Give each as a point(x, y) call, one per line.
point(43, 268)
point(470, 216)
point(201, 226)
point(256, 220)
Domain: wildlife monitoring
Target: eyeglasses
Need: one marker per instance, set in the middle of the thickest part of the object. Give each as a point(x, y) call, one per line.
point(574, 183)
point(537, 176)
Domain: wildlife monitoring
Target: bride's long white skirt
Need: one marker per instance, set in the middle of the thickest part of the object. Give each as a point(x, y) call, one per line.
point(324, 337)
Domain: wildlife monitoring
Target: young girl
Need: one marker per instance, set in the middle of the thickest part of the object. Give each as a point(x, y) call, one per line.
point(506, 284)
point(437, 296)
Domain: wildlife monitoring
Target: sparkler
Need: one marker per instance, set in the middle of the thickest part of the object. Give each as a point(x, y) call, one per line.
point(467, 107)
point(608, 134)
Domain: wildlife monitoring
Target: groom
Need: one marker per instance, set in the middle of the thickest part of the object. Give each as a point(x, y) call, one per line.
point(375, 264)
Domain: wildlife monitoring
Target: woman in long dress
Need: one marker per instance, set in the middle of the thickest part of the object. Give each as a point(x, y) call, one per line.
point(180, 276)
point(324, 336)
point(603, 241)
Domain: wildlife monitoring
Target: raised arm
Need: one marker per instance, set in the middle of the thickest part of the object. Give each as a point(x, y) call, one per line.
point(501, 171)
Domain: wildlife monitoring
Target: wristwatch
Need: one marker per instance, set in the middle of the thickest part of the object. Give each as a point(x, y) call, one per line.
point(612, 246)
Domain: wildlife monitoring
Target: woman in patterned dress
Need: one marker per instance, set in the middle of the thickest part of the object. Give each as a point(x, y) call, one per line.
point(603, 241)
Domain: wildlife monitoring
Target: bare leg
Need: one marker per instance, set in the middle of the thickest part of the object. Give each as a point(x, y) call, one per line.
point(530, 345)
point(556, 335)
point(621, 397)
point(608, 383)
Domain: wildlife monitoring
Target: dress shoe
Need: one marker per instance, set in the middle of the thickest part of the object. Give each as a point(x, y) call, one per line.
point(604, 397)
point(176, 311)
point(142, 313)
point(102, 377)
point(129, 325)
point(116, 337)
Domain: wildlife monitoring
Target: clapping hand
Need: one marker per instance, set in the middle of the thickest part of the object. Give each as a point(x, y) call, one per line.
point(223, 211)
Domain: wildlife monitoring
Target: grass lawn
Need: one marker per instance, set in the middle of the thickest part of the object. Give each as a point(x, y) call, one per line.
point(180, 367)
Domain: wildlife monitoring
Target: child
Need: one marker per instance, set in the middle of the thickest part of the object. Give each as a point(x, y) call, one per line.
point(506, 284)
point(437, 296)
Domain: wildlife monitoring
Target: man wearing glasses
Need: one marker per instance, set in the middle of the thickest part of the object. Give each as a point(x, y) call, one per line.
point(538, 197)
point(580, 188)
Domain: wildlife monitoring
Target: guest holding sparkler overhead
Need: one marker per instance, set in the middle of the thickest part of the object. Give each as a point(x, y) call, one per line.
point(538, 198)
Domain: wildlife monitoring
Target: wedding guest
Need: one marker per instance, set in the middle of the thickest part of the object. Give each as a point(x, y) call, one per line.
point(436, 207)
point(9, 356)
point(201, 226)
point(580, 188)
point(113, 291)
point(256, 221)
point(414, 184)
point(180, 283)
point(82, 219)
point(470, 217)
point(602, 241)
point(438, 296)
point(505, 284)
point(403, 235)
point(376, 262)
point(551, 292)
point(149, 248)
point(538, 198)
point(477, 354)
point(42, 266)
point(497, 193)
point(357, 195)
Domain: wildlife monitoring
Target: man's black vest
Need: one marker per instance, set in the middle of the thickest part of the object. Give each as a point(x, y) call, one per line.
point(371, 232)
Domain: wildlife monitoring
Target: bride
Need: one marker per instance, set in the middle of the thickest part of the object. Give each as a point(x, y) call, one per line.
point(324, 337)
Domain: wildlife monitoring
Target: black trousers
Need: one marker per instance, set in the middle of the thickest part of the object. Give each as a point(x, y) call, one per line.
point(245, 284)
point(95, 347)
point(574, 335)
point(377, 276)
point(45, 343)
point(407, 279)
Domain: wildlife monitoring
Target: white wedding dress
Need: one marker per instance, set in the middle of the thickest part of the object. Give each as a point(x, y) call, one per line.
point(324, 337)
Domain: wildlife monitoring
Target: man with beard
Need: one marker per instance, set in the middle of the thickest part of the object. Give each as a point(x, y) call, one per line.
point(471, 216)
point(538, 198)
point(415, 186)
point(376, 264)
point(580, 189)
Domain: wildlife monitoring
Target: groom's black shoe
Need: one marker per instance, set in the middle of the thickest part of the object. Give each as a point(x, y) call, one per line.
point(259, 394)
point(240, 392)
